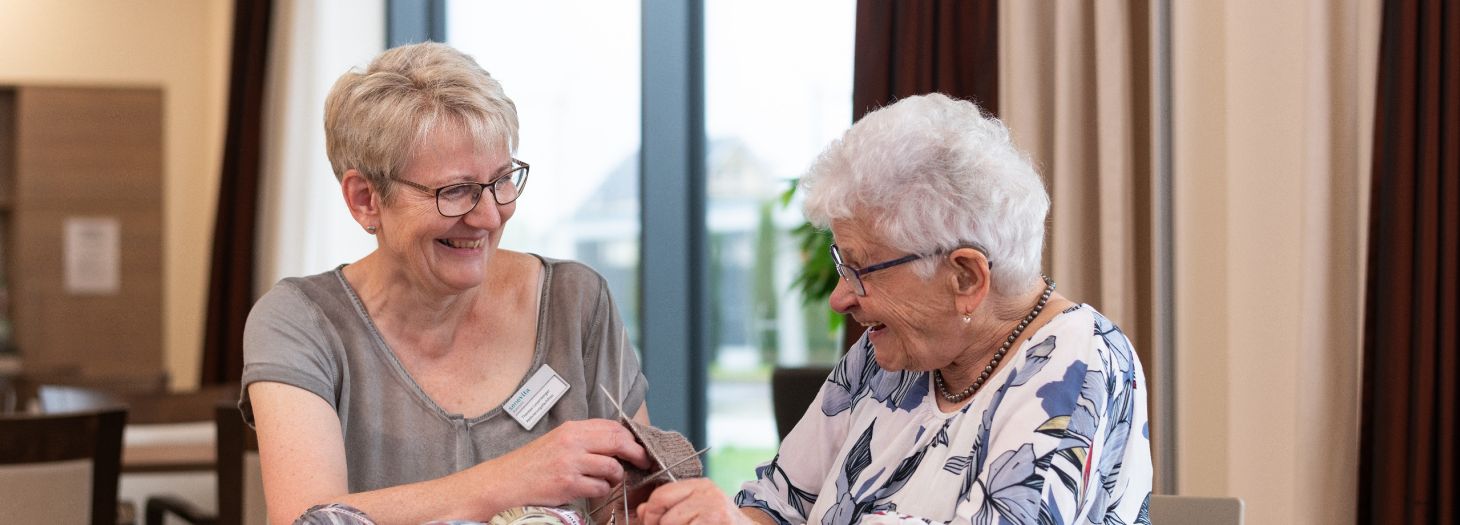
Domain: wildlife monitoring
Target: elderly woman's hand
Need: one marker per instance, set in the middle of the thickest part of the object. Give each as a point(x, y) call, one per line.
point(696, 501)
point(575, 460)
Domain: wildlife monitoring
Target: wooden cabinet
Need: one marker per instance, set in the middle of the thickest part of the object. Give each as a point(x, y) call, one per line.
point(71, 155)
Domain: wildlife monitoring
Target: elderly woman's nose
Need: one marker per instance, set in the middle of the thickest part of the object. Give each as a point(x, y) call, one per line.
point(842, 297)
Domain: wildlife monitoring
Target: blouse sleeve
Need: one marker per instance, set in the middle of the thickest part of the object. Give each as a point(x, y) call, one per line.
point(787, 487)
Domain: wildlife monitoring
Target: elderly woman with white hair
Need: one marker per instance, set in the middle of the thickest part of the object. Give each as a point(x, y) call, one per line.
point(977, 393)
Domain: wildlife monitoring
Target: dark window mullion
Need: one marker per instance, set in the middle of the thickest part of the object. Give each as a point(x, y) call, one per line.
point(673, 263)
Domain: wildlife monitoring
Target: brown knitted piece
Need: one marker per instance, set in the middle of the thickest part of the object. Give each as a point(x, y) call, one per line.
point(665, 447)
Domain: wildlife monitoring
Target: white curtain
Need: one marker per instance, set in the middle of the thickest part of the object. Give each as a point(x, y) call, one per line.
point(304, 227)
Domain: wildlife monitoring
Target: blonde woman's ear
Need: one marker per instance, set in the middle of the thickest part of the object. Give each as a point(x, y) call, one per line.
point(361, 199)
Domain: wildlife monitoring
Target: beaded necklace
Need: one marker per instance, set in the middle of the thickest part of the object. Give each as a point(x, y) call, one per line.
point(999, 355)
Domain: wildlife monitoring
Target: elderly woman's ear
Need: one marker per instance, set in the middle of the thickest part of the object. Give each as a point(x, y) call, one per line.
point(971, 275)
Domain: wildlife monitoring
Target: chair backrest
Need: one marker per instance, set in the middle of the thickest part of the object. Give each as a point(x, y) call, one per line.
point(792, 390)
point(1194, 510)
point(61, 467)
point(240, 485)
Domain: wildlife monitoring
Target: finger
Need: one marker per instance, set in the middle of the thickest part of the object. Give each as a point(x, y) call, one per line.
point(683, 513)
point(670, 494)
point(649, 513)
point(590, 487)
point(601, 436)
point(602, 467)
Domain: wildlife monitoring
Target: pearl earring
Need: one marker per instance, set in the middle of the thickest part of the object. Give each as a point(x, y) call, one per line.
point(968, 318)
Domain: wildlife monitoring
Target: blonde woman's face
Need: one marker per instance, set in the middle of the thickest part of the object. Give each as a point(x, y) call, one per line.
point(445, 254)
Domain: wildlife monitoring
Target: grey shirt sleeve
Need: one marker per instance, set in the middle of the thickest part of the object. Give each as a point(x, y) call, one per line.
point(586, 335)
point(616, 365)
point(286, 340)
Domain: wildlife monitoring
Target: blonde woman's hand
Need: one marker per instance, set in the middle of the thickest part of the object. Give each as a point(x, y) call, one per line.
point(578, 459)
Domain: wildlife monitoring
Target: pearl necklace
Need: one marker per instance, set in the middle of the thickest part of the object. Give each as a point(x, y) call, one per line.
point(999, 355)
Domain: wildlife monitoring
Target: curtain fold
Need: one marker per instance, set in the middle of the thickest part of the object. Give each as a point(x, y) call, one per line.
point(1408, 461)
point(1078, 95)
point(913, 47)
point(1078, 99)
point(230, 287)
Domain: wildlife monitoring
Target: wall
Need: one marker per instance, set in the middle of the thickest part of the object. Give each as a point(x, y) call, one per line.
point(182, 46)
point(1271, 109)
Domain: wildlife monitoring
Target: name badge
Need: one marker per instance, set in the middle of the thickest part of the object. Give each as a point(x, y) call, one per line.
point(536, 397)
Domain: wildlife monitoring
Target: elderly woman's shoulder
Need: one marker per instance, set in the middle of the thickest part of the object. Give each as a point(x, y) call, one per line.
point(1081, 329)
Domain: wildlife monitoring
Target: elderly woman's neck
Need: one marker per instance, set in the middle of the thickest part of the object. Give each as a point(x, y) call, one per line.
point(1014, 307)
point(998, 318)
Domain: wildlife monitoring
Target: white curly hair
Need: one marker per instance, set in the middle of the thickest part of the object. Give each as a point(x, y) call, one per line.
point(934, 173)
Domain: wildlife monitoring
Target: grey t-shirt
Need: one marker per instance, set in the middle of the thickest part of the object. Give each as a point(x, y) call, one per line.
point(314, 333)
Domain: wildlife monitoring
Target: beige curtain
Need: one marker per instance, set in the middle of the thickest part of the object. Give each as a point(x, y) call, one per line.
point(1269, 124)
point(1076, 93)
point(1269, 110)
point(1076, 86)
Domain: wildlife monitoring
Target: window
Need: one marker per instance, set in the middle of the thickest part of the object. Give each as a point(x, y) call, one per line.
point(572, 68)
point(777, 88)
point(778, 79)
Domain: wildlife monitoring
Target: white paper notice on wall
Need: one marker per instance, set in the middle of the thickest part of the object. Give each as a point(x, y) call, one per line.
point(93, 255)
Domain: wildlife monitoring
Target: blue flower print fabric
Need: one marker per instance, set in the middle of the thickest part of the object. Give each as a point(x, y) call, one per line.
point(1059, 435)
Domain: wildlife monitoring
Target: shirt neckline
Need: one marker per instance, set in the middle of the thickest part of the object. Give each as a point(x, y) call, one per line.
point(1000, 377)
point(538, 351)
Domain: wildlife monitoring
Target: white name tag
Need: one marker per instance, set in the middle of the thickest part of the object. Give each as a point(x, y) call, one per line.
point(536, 397)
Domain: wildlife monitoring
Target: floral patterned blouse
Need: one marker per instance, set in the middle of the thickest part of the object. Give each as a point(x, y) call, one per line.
point(1059, 435)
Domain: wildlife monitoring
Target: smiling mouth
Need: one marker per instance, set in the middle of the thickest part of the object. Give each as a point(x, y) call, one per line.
point(873, 327)
point(465, 245)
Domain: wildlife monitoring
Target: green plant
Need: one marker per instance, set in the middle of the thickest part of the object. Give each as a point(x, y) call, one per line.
point(817, 277)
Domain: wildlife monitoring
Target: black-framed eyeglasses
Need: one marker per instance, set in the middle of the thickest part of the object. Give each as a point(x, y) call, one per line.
point(853, 275)
point(455, 200)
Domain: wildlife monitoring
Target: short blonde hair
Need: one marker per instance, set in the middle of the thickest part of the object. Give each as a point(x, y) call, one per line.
point(375, 119)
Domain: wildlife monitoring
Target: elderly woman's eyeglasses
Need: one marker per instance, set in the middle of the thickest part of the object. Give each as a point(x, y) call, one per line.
point(455, 200)
point(853, 275)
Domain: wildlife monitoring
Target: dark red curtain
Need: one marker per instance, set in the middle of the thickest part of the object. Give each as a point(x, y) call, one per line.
point(230, 286)
point(1408, 442)
point(913, 47)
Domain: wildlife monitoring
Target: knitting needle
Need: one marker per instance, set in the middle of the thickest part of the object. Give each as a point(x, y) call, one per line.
point(652, 453)
point(646, 479)
point(616, 406)
point(665, 471)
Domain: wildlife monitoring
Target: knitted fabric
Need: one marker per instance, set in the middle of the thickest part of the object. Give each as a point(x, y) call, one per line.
point(665, 448)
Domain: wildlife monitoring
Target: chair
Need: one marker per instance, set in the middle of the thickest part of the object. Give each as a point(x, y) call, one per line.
point(1193, 510)
point(51, 462)
point(240, 486)
point(792, 390)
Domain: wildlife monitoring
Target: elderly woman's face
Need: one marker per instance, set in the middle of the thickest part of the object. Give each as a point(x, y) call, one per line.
point(911, 321)
point(445, 254)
